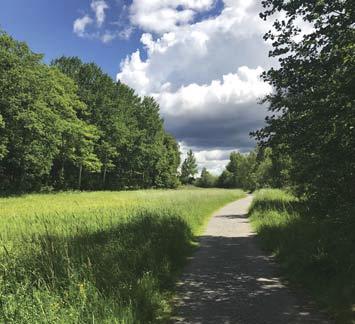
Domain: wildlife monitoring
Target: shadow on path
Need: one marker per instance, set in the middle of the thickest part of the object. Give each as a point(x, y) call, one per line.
point(229, 280)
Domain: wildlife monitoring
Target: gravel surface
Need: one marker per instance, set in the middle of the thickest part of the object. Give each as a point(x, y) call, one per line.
point(229, 279)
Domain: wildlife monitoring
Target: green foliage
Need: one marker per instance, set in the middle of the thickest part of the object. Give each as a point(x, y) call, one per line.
point(206, 180)
point(313, 103)
point(239, 172)
point(3, 140)
point(103, 257)
point(225, 180)
point(241, 168)
point(133, 148)
point(39, 107)
point(69, 125)
point(318, 253)
point(261, 168)
point(311, 133)
point(188, 169)
point(271, 169)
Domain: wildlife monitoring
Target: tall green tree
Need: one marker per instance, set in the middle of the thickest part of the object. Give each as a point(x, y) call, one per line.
point(101, 95)
point(206, 179)
point(225, 180)
point(313, 103)
point(240, 171)
point(69, 125)
point(3, 139)
point(38, 105)
point(168, 163)
point(132, 145)
point(188, 168)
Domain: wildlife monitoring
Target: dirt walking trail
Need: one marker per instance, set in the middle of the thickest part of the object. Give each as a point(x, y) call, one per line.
point(229, 280)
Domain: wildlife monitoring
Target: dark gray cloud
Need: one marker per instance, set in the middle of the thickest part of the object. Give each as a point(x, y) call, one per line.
point(206, 78)
point(224, 131)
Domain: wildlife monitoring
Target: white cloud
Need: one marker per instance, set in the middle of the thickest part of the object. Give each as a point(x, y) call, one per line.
point(165, 15)
point(205, 75)
point(134, 74)
point(126, 32)
point(99, 7)
point(232, 91)
point(80, 25)
point(107, 37)
point(214, 160)
point(216, 115)
point(201, 52)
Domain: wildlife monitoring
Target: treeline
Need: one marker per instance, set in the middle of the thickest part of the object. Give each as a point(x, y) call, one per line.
point(260, 168)
point(257, 169)
point(70, 126)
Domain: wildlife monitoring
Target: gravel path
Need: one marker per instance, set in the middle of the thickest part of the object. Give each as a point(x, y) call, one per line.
point(229, 280)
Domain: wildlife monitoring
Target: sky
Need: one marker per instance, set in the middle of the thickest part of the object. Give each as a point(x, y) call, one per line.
point(200, 59)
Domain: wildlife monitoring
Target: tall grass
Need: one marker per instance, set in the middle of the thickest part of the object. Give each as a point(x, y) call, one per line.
point(100, 257)
point(314, 251)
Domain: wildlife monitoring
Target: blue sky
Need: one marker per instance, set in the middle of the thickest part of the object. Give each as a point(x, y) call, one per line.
point(200, 59)
point(47, 26)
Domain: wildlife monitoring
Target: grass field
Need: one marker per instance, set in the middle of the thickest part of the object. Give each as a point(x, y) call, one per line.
point(315, 252)
point(100, 257)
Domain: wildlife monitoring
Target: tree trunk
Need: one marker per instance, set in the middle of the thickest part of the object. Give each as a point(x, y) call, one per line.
point(61, 175)
point(104, 177)
point(80, 174)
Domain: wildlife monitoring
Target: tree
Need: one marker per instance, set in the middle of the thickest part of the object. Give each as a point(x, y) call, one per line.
point(101, 95)
point(3, 139)
point(271, 169)
point(167, 175)
point(83, 156)
point(239, 171)
point(260, 168)
point(106, 154)
point(206, 180)
point(38, 104)
point(188, 168)
point(312, 106)
point(133, 147)
point(225, 180)
point(69, 125)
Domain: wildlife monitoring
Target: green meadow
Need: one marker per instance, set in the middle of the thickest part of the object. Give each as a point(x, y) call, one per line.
point(98, 257)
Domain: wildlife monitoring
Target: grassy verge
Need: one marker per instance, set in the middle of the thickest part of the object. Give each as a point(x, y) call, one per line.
point(101, 257)
point(315, 252)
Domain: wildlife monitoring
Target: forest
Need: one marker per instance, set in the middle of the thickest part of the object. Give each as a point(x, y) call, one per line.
point(70, 126)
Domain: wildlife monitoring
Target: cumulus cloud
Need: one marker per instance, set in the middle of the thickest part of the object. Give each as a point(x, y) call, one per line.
point(200, 52)
point(202, 69)
point(220, 114)
point(206, 77)
point(80, 25)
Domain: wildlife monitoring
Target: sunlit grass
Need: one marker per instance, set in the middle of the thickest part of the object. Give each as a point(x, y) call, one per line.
point(99, 257)
point(313, 251)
